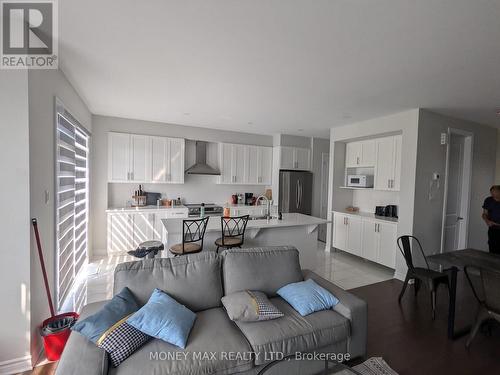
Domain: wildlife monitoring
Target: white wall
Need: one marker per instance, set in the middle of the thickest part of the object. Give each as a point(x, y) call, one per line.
point(432, 158)
point(405, 123)
point(195, 189)
point(44, 86)
point(14, 223)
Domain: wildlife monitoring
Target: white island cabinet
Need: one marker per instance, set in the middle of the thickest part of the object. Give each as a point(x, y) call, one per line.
point(295, 230)
point(366, 236)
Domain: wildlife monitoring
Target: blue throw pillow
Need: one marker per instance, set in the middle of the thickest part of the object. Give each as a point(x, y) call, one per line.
point(164, 318)
point(96, 325)
point(307, 297)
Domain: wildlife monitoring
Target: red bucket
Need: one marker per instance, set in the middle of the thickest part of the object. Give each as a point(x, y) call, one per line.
point(54, 342)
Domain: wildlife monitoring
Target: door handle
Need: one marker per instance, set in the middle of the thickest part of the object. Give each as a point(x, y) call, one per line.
point(357, 160)
point(459, 218)
point(297, 196)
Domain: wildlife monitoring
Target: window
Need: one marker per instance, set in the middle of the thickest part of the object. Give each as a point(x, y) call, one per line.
point(72, 201)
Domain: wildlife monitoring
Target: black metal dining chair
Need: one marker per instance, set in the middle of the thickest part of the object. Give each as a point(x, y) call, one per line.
point(233, 232)
point(489, 306)
point(193, 233)
point(429, 277)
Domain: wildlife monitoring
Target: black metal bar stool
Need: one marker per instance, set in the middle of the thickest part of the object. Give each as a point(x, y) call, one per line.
point(193, 232)
point(233, 232)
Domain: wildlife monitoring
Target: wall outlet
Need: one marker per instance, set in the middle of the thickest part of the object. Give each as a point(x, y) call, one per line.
point(444, 138)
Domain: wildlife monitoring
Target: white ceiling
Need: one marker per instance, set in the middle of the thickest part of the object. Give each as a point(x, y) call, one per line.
point(282, 65)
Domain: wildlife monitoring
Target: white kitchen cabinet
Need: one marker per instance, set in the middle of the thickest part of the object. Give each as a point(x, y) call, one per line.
point(139, 158)
point(387, 244)
point(295, 158)
point(360, 154)
point(118, 157)
point(367, 237)
point(340, 231)
point(266, 165)
point(347, 233)
point(244, 164)
point(167, 160)
point(145, 159)
point(120, 233)
point(142, 228)
point(388, 165)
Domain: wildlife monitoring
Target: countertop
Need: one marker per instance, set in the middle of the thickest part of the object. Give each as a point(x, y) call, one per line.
point(289, 220)
point(369, 215)
point(143, 208)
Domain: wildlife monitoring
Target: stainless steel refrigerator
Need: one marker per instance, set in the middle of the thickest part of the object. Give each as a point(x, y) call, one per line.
point(295, 192)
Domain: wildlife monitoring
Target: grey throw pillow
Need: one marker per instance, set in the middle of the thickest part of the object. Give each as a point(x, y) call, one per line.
point(250, 306)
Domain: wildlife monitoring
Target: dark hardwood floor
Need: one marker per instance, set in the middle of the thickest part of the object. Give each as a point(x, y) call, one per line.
point(413, 344)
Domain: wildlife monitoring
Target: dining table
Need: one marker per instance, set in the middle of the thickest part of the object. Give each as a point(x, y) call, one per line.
point(452, 262)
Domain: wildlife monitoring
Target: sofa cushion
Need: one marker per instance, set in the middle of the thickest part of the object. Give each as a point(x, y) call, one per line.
point(192, 280)
point(293, 332)
point(212, 332)
point(263, 269)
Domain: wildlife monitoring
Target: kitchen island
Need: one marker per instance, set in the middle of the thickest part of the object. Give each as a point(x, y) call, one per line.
point(294, 229)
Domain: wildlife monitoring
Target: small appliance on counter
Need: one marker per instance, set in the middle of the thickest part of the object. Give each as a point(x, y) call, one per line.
point(390, 210)
point(360, 181)
point(209, 209)
point(249, 201)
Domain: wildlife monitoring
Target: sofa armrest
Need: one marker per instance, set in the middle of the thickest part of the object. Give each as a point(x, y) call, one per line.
point(350, 306)
point(81, 356)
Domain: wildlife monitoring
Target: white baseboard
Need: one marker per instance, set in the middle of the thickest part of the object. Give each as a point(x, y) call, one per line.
point(15, 366)
point(400, 276)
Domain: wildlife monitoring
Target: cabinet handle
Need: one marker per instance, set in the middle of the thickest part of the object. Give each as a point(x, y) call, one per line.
point(131, 175)
point(388, 184)
point(357, 160)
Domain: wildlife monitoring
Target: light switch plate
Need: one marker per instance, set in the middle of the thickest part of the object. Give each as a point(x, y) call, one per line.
point(444, 138)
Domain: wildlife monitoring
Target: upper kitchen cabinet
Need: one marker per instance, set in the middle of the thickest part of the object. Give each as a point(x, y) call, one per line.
point(295, 158)
point(128, 158)
point(167, 160)
point(388, 165)
point(243, 164)
point(145, 159)
point(361, 154)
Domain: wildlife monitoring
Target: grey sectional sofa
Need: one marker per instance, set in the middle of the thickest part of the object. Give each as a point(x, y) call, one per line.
point(217, 345)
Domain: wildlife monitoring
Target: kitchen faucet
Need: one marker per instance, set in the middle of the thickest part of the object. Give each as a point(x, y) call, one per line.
point(268, 205)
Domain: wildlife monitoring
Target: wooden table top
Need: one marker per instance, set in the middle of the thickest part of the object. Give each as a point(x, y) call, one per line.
point(467, 257)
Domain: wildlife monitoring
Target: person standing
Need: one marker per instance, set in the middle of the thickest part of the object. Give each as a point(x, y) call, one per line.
point(491, 216)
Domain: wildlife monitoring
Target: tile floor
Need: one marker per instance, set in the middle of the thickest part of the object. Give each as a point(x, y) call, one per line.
point(345, 270)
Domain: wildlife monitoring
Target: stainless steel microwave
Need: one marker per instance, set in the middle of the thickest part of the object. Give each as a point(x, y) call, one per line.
point(362, 181)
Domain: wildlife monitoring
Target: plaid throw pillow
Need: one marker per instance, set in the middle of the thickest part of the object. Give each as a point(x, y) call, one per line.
point(250, 306)
point(121, 340)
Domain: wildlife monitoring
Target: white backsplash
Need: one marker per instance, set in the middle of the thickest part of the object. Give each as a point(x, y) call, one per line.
point(196, 189)
point(366, 200)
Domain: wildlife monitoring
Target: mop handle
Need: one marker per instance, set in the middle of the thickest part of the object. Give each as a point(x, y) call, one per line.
point(42, 263)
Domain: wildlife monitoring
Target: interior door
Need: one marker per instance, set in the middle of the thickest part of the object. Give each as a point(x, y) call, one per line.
point(159, 154)
point(453, 218)
point(118, 157)
point(139, 158)
point(176, 161)
point(385, 163)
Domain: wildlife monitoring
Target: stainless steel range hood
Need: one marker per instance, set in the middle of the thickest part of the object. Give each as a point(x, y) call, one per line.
point(201, 166)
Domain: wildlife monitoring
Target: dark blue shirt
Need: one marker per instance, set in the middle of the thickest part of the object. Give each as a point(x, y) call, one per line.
point(493, 208)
